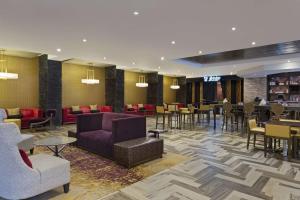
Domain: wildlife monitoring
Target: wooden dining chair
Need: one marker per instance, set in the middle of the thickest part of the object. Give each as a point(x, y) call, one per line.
point(277, 132)
point(254, 130)
point(277, 110)
point(190, 114)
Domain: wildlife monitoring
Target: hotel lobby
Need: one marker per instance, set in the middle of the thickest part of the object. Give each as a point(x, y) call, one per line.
point(149, 100)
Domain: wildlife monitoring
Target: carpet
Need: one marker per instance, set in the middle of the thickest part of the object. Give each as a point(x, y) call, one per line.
point(93, 176)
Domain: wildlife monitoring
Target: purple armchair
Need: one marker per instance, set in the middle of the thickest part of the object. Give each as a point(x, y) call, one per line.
point(98, 132)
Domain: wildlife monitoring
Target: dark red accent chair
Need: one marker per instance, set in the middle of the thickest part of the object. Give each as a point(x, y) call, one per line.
point(28, 115)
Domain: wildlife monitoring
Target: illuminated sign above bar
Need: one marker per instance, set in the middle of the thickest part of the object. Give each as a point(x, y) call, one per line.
point(211, 78)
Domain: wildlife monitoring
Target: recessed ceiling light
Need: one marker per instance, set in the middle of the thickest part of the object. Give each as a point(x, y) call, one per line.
point(58, 50)
point(104, 58)
point(289, 61)
point(84, 40)
point(162, 58)
point(173, 42)
point(233, 28)
point(231, 73)
point(199, 52)
point(133, 63)
point(136, 13)
point(253, 43)
point(158, 67)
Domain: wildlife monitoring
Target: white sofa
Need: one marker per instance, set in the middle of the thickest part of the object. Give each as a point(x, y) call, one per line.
point(18, 181)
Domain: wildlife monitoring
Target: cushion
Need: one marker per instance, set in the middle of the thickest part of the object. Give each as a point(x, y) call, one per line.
point(77, 112)
point(258, 129)
point(13, 111)
point(27, 112)
point(129, 106)
point(107, 120)
point(14, 117)
point(94, 107)
point(25, 158)
point(75, 108)
point(140, 105)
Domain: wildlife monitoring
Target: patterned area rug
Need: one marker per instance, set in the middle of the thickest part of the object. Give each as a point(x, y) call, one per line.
point(93, 177)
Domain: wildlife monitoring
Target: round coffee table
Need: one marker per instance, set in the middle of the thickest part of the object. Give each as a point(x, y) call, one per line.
point(56, 143)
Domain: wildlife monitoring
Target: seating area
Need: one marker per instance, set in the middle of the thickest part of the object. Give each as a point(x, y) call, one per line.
point(150, 100)
point(69, 115)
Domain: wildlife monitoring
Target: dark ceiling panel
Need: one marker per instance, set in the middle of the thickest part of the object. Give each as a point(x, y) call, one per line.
point(249, 53)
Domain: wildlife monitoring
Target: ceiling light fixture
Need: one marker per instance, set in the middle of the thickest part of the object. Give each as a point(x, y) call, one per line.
point(233, 28)
point(90, 77)
point(289, 61)
point(199, 52)
point(253, 43)
point(162, 58)
point(84, 40)
point(104, 58)
point(158, 67)
point(133, 63)
point(136, 13)
point(4, 75)
point(175, 85)
point(141, 82)
point(173, 42)
point(58, 50)
point(231, 73)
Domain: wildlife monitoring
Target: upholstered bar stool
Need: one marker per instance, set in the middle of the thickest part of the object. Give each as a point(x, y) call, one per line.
point(228, 115)
point(173, 109)
point(190, 114)
point(278, 132)
point(202, 111)
point(160, 111)
point(254, 130)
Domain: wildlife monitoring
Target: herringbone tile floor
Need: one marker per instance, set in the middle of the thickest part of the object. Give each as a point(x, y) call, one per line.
point(220, 168)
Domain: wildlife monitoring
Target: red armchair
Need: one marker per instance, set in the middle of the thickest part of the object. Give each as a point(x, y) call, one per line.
point(29, 114)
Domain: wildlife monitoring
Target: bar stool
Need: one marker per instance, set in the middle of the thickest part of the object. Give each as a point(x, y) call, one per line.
point(190, 113)
point(254, 130)
point(227, 111)
point(278, 132)
point(173, 109)
point(204, 110)
point(160, 111)
point(249, 108)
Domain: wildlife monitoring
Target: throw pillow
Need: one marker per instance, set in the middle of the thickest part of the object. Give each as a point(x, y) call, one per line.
point(140, 105)
point(75, 108)
point(25, 158)
point(94, 107)
point(129, 106)
point(13, 111)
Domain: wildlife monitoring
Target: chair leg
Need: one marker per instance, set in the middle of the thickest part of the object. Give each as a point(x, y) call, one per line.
point(254, 140)
point(265, 145)
point(164, 120)
point(66, 187)
point(289, 149)
point(156, 121)
point(248, 140)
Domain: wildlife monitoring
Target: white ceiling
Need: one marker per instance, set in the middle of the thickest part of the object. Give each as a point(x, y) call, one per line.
point(112, 31)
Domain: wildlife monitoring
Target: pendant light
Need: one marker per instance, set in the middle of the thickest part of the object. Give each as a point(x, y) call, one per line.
point(141, 82)
point(4, 75)
point(90, 77)
point(175, 85)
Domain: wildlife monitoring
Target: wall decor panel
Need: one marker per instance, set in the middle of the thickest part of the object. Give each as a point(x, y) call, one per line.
point(24, 91)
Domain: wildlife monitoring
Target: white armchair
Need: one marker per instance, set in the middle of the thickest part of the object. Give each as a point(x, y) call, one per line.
point(20, 181)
